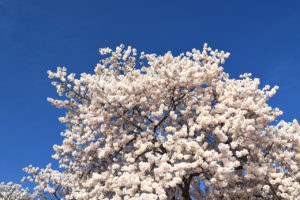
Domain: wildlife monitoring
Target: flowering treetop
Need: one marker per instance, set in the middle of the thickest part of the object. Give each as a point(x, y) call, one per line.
point(157, 129)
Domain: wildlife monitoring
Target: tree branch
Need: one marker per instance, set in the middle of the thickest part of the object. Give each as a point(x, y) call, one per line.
point(186, 188)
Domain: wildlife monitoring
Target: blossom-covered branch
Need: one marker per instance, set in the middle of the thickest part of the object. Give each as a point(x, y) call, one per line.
point(169, 127)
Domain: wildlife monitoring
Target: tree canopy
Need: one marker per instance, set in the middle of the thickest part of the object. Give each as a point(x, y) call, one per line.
point(153, 127)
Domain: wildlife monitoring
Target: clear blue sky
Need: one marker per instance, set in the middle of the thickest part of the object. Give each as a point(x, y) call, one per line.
point(262, 36)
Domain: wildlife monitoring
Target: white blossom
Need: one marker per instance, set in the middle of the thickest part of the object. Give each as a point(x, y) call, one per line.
point(155, 131)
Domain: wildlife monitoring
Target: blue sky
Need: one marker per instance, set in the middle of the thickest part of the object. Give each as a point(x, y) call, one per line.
point(263, 38)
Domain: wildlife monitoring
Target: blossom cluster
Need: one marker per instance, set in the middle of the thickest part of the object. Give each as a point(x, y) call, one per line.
point(155, 129)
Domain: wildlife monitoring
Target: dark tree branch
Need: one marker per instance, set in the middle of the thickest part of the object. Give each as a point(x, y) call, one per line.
point(160, 122)
point(268, 150)
point(186, 188)
point(138, 127)
point(139, 112)
point(55, 195)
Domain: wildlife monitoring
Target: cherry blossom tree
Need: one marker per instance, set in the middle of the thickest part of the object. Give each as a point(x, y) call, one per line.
point(155, 127)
